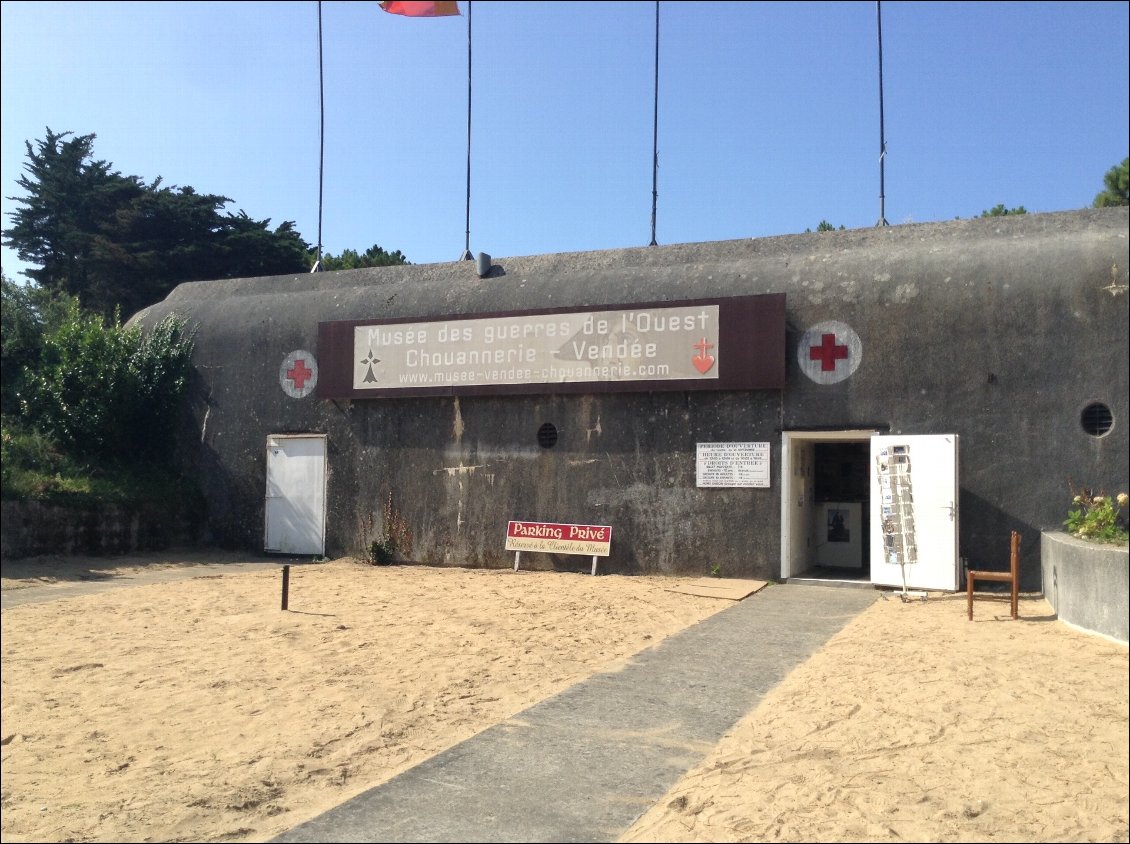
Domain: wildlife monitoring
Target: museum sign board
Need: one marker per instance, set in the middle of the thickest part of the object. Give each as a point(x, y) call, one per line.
point(706, 344)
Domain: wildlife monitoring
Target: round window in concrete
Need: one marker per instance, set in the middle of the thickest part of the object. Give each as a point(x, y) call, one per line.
point(1096, 419)
point(547, 435)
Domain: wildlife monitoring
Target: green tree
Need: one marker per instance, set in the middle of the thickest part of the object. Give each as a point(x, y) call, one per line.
point(117, 242)
point(27, 313)
point(21, 337)
point(1002, 211)
point(1117, 190)
point(374, 256)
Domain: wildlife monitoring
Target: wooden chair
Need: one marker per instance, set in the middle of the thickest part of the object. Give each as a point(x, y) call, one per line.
point(1012, 576)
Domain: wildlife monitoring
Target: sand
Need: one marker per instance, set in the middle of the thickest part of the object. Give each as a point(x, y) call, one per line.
point(915, 724)
point(197, 710)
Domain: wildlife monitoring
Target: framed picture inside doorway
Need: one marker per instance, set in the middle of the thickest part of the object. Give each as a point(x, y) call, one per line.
point(839, 534)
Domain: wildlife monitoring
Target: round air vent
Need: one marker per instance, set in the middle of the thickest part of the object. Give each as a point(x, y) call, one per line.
point(547, 435)
point(1096, 419)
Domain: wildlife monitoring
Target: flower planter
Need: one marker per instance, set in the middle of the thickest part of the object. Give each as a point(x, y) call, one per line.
point(1087, 583)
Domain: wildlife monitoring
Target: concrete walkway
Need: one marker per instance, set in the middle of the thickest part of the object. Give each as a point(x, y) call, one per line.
point(40, 594)
point(585, 764)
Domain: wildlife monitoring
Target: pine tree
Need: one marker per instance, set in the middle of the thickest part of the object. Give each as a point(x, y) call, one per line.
point(1117, 190)
point(121, 244)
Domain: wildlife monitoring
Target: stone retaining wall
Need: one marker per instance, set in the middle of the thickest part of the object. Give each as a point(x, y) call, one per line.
point(32, 528)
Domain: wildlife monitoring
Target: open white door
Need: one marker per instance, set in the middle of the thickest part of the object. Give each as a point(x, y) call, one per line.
point(296, 494)
point(914, 515)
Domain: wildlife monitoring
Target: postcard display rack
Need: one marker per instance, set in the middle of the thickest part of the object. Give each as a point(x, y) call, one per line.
point(896, 488)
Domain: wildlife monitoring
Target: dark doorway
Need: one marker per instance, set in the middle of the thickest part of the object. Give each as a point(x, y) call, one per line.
point(842, 494)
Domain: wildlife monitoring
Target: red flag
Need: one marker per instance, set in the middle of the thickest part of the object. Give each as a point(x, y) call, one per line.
point(413, 9)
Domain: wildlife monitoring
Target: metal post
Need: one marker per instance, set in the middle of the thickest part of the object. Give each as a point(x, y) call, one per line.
point(654, 138)
point(286, 586)
point(882, 129)
point(467, 241)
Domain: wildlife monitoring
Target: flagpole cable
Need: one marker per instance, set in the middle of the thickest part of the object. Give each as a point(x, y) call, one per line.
point(882, 135)
point(655, 133)
point(467, 239)
point(321, 139)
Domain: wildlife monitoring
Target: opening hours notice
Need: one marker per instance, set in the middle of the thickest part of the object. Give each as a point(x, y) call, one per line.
point(732, 465)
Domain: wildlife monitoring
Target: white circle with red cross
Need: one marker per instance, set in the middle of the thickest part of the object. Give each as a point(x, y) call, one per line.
point(829, 352)
point(298, 374)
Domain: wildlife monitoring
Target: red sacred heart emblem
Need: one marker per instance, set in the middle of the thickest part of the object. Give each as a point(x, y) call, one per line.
point(702, 361)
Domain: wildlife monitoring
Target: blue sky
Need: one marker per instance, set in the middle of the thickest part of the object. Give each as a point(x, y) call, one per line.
point(768, 114)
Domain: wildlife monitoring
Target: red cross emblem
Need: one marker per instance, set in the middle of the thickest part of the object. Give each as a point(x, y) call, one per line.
point(299, 373)
point(828, 352)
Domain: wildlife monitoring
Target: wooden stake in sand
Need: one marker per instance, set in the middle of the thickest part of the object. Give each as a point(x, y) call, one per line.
point(286, 586)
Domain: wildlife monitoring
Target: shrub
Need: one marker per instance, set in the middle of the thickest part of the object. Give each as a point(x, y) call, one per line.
point(28, 314)
point(109, 391)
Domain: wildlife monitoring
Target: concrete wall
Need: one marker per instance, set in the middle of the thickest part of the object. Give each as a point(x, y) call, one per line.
point(999, 330)
point(1087, 584)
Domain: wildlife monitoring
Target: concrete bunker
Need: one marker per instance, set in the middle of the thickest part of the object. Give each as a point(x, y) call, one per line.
point(1008, 335)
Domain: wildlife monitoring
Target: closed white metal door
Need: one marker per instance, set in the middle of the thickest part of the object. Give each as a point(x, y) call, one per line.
point(296, 494)
point(914, 516)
